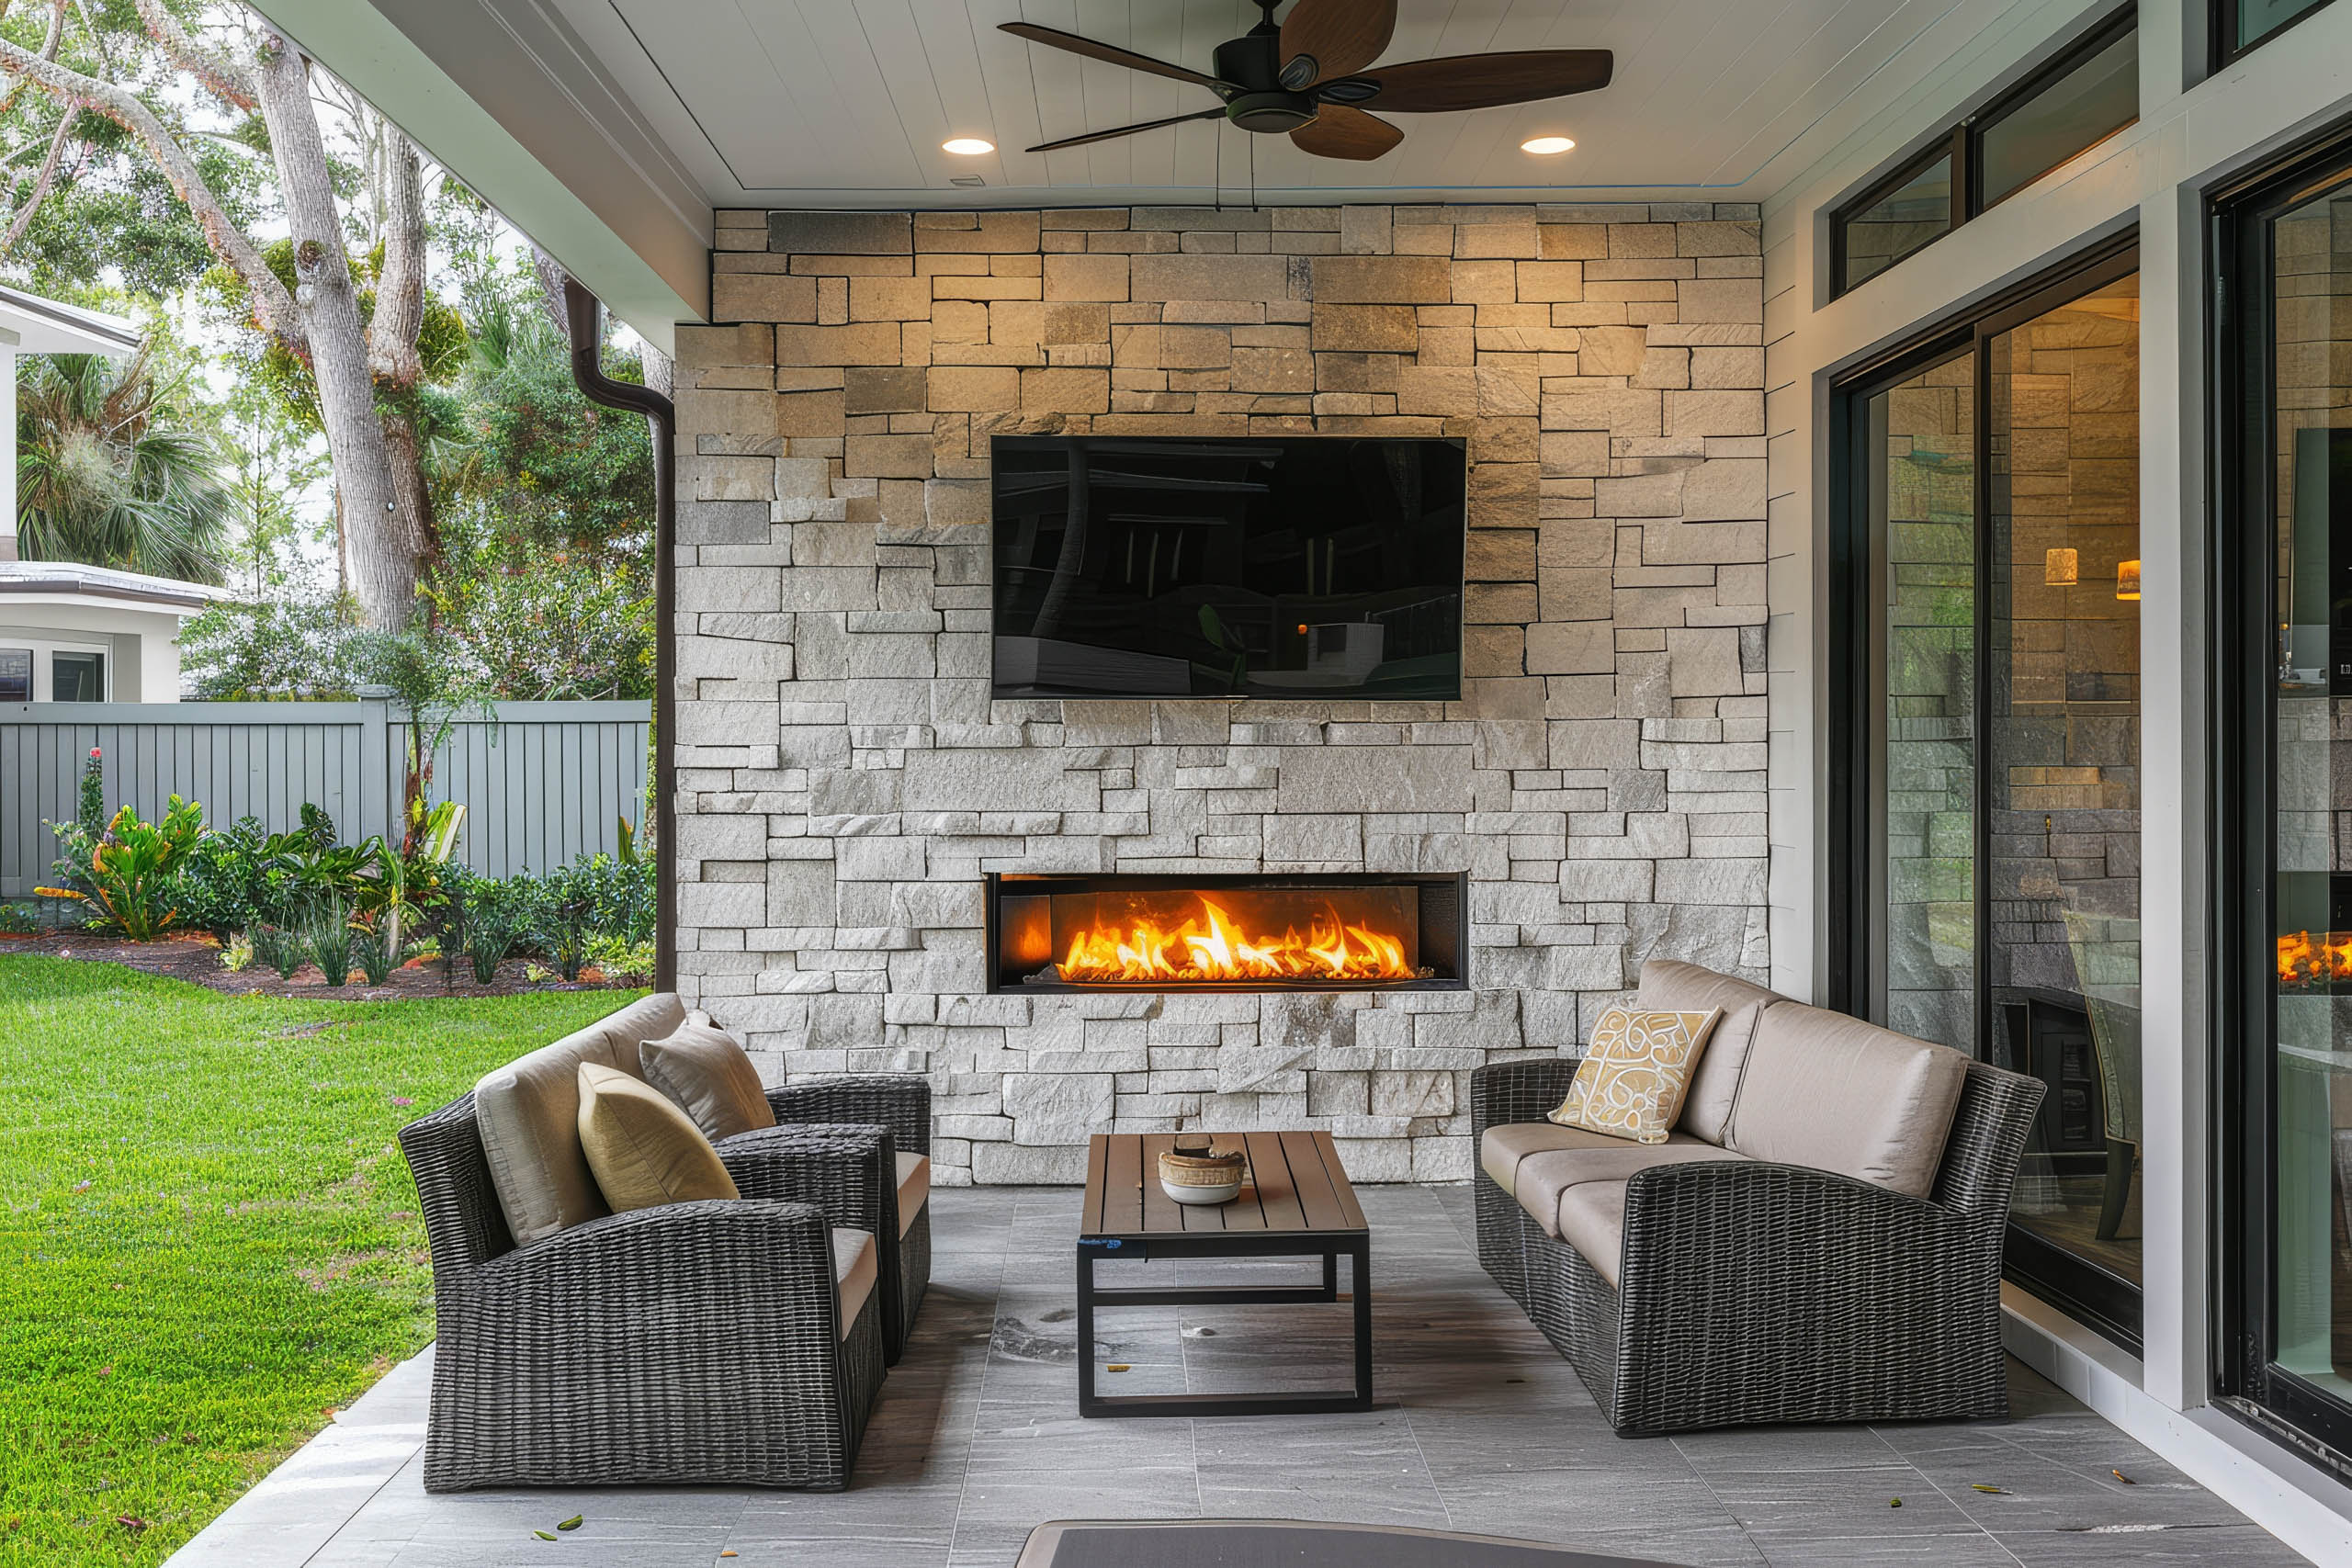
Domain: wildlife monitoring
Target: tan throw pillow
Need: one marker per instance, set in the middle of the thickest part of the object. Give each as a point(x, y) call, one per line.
point(643, 1149)
point(1636, 1073)
point(702, 1069)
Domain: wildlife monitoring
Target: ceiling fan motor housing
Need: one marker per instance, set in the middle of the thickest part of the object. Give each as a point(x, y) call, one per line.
point(1253, 63)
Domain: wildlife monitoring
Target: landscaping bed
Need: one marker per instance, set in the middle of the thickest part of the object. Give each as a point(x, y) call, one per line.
point(208, 1236)
point(196, 958)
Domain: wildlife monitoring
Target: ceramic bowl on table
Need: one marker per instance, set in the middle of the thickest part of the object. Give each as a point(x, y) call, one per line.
point(1203, 1175)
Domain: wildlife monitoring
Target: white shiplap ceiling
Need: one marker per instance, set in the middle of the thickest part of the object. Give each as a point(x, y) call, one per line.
point(845, 102)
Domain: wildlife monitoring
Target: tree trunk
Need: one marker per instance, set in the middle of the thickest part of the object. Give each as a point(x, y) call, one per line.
point(383, 535)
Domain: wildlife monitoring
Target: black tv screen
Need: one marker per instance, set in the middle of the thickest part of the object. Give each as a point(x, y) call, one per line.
point(1309, 566)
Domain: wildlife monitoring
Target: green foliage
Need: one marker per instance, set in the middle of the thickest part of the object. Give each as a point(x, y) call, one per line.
point(125, 878)
point(616, 958)
point(212, 1240)
point(109, 472)
point(323, 923)
point(19, 920)
point(487, 918)
point(91, 813)
point(242, 652)
point(280, 947)
point(564, 629)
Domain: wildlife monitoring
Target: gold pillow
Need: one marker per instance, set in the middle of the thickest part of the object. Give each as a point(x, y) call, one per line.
point(1634, 1077)
point(643, 1150)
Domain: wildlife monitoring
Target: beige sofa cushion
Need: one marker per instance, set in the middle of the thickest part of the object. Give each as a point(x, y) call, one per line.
point(527, 1113)
point(640, 1147)
point(1669, 985)
point(1546, 1178)
point(914, 1187)
point(710, 1078)
point(1634, 1076)
point(1833, 1092)
point(856, 1264)
point(1502, 1150)
point(1593, 1219)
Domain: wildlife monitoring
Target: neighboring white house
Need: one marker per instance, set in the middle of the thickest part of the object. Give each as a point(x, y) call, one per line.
point(68, 632)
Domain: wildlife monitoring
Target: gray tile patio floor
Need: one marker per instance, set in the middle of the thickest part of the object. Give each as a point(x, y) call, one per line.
point(1480, 1427)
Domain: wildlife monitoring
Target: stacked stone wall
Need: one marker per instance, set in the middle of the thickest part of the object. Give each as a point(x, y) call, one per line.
point(845, 777)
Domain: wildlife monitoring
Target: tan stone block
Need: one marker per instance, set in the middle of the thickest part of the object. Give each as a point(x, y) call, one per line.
point(1550, 340)
point(762, 297)
point(717, 413)
point(961, 502)
point(1217, 381)
point(1571, 648)
point(1382, 280)
point(705, 347)
point(972, 388)
point(1737, 300)
point(1610, 351)
point(812, 415)
point(1549, 281)
point(1364, 329)
point(993, 232)
point(1500, 555)
point(1483, 282)
point(1086, 276)
point(1581, 541)
point(959, 321)
point(1421, 239)
point(1450, 347)
point(809, 377)
point(1576, 592)
point(861, 342)
point(886, 457)
point(1355, 372)
point(1273, 370)
point(1507, 392)
point(1136, 347)
point(1066, 392)
point(1632, 240)
point(1504, 440)
point(1715, 413)
point(1591, 313)
point(1504, 495)
point(1666, 368)
point(947, 286)
point(1493, 650)
point(1016, 323)
point(1422, 389)
point(1719, 238)
point(833, 301)
point(1195, 348)
point(1723, 369)
point(1498, 602)
point(1574, 241)
point(1329, 403)
point(1076, 323)
point(1573, 452)
point(1364, 231)
point(888, 299)
point(1620, 410)
point(1512, 236)
point(1658, 290)
point(1165, 277)
point(1723, 490)
point(950, 266)
point(852, 266)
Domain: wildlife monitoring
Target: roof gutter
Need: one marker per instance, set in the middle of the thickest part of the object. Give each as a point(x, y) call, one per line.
point(82, 588)
point(584, 313)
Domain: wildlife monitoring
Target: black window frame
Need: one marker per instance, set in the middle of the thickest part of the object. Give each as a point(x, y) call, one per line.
point(1962, 142)
point(2222, 47)
point(2103, 1301)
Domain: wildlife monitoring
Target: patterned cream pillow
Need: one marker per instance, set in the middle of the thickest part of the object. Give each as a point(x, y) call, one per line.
point(1632, 1079)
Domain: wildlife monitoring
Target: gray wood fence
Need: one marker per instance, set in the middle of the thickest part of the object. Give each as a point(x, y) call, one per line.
point(544, 783)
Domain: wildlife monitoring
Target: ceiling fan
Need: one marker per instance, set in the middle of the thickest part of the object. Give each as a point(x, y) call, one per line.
point(1306, 77)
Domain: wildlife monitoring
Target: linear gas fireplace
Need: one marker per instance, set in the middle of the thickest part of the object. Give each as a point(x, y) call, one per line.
point(1332, 931)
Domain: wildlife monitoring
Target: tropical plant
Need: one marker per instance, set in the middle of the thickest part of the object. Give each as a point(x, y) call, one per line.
point(280, 947)
point(125, 876)
point(323, 923)
point(623, 962)
point(19, 920)
point(486, 919)
point(564, 917)
point(108, 473)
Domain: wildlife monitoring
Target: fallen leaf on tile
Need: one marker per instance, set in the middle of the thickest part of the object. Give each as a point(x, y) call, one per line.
point(1995, 1491)
point(1116, 1367)
point(544, 1535)
point(1894, 1502)
point(728, 1552)
point(2123, 1478)
point(572, 1523)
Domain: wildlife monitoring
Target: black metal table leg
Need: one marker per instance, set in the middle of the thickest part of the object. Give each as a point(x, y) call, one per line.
point(1360, 1287)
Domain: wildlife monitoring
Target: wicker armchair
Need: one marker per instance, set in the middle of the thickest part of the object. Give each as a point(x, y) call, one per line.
point(1758, 1293)
point(893, 1111)
point(690, 1343)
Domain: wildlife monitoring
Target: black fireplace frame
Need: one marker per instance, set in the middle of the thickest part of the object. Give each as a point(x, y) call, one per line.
point(1444, 934)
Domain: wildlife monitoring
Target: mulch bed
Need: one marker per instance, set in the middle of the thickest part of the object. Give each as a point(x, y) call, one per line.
point(197, 959)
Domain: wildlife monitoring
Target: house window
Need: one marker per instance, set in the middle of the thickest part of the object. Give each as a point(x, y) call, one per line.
point(2240, 25)
point(77, 677)
point(2090, 91)
point(16, 675)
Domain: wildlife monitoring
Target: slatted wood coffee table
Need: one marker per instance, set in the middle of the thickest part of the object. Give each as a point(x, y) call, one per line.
point(1295, 1203)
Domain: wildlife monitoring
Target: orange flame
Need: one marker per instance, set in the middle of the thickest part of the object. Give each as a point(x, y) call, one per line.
point(1211, 946)
point(2305, 960)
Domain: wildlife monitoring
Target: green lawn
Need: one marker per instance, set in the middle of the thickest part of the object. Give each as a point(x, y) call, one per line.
point(208, 1236)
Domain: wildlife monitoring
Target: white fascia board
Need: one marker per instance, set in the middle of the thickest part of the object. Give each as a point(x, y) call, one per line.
point(496, 92)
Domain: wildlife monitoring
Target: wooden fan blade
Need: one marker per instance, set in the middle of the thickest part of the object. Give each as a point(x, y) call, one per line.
point(1339, 131)
point(1053, 38)
point(1323, 38)
point(1482, 81)
point(1126, 130)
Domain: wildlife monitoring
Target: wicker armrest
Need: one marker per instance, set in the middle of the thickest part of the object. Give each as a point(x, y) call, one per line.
point(1787, 1245)
point(845, 1170)
point(901, 1102)
point(1504, 1092)
point(739, 1262)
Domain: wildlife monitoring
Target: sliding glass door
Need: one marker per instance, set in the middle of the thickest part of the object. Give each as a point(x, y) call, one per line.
point(1992, 741)
point(2286, 778)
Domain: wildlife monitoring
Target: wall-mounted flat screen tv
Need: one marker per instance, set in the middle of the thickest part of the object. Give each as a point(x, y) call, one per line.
point(1286, 567)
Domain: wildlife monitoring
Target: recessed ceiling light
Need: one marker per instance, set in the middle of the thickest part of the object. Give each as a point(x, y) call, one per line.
point(967, 146)
point(1546, 144)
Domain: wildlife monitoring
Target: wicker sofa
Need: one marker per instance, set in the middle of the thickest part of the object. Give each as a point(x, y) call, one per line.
point(1818, 1240)
point(705, 1342)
